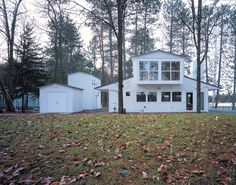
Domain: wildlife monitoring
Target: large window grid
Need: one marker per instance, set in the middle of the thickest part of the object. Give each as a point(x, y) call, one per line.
point(170, 70)
point(148, 70)
point(171, 97)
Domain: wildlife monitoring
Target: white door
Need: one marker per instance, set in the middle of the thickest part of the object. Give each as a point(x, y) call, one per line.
point(56, 102)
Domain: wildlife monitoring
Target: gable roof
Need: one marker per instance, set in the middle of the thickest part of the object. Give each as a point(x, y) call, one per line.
point(68, 86)
point(83, 73)
point(111, 83)
point(160, 51)
point(202, 82)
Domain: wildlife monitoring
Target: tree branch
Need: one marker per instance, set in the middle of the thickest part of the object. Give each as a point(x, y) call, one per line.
point(96, 16)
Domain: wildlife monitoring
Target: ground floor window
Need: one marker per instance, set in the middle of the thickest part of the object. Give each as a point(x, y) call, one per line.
point(176, 96)
point(141, 97)
point(165, 96)
point(152, 96)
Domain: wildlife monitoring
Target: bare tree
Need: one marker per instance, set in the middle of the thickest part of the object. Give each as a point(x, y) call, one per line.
point(195, 27)
point(116, 12)
point(9, 16)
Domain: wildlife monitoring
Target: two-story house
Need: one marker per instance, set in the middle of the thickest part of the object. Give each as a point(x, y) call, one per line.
point(158, 85)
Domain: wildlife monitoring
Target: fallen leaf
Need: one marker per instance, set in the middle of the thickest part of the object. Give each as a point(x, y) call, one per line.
point(18, 171)
point(198, 172)
point(8, 169)
point(144, 175)
point(98, 174)
point(67, 180)
point(46, 181)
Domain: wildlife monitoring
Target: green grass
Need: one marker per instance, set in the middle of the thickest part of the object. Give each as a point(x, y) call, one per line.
point(170, 148)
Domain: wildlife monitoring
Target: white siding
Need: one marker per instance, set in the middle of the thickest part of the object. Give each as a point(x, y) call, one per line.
point(158, 56)
point(91, 96)
point(56, 98)
point(77, 101)
point(131, 104)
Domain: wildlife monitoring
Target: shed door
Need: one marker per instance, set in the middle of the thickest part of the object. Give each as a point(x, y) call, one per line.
point(56, 102)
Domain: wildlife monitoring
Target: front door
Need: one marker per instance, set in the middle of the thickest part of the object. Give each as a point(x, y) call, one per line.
point(189, 101)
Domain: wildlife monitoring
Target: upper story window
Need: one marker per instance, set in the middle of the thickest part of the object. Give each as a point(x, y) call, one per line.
point(148, 70)
point(153, 71)
point(170, 70)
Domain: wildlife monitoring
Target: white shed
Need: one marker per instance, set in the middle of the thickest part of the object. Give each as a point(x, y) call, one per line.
point(88, 82)
point(57, 98)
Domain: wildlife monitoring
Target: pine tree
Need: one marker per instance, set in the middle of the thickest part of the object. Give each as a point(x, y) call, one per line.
point(65, 50)
point(31, 68)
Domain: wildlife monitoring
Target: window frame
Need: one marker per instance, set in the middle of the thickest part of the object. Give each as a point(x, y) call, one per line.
point(169, 71)
point(141, 93)
point(169, 96)
point(127, 93)
point(148, 94)
point(173, 100)
point(149, 71)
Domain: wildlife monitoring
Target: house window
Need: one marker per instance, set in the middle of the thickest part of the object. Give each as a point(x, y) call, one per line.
point(153, 71)
point(165, 96)
point(175, 70)
point(170, 71)
point(148, 70)
point(176, 96)
point(152, 96)
point(127, 93)
point(143, 70)
point(165, 71)
point(141, 97)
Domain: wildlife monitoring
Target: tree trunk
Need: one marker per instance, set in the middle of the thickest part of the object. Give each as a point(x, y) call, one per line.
point(102, 54)
point(27, 101)
point(61, 69)
point(124, 53)
point(183, 41)
point(220, 62)
point(234, 84)
point(199, 20)
point(136, 32)
point(22, 102)
point(110, 54)
point(171, 33)
point(56, 58)
point(10, 40)
point(206, 69)
point(145, 29)
point(120, 56)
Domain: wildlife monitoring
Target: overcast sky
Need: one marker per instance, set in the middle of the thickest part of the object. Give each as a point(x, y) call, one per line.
point(33, 13)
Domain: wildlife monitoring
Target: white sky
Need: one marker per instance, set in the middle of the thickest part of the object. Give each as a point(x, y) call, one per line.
point(86, 33)
point(33, 13)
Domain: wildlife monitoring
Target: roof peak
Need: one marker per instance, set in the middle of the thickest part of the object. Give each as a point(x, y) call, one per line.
point(159, 50)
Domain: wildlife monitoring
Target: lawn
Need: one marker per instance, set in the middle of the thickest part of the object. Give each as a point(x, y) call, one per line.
point(118, 149)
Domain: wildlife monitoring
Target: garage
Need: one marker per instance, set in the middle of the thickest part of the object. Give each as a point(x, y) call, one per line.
point(57, 98)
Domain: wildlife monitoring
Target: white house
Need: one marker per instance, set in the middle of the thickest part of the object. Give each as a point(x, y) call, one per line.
point(57, 98)
point(158, 85)
point(80, 94)
point(88, 82)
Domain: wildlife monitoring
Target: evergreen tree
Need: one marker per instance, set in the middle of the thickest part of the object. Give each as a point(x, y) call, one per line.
point(141, 42)
point(31, 68)
point(65, 55)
